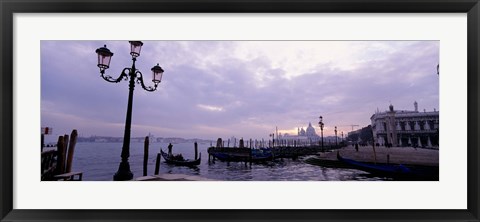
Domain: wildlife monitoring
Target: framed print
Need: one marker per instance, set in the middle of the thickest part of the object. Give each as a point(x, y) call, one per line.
point(251, 111)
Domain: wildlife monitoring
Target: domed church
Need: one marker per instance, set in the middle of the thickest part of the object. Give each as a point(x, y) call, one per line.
point(310, 133)
point(302, 134)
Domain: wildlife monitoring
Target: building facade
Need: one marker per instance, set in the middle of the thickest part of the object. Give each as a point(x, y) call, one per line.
point(401, 128)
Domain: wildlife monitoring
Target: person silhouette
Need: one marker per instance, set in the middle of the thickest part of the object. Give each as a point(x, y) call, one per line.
point(170, 146)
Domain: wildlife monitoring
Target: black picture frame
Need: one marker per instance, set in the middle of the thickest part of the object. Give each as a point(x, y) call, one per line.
point(10, 7)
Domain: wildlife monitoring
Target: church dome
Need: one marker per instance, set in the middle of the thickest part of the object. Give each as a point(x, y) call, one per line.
point(310, 130)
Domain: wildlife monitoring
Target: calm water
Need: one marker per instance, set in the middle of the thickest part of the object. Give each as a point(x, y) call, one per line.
point(99, 162)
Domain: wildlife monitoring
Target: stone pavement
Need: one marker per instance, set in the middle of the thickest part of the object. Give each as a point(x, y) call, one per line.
point(398, 155)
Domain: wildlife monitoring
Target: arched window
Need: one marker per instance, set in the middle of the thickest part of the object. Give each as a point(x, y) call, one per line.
point(422, 125)
point(412, 125)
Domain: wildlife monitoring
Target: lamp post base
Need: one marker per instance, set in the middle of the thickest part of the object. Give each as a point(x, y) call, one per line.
point(123, 172)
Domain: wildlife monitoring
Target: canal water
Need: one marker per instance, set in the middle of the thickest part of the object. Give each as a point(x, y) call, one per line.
point(99, 162)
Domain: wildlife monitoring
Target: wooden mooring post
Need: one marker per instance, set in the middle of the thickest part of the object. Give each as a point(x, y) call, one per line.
point(145, 155)
point(60, 167)
point(60, 156)
point(71, 150)
point(42, 141)
point(210, 156)
point(157, 164)
point(196, 149)
point(64, 153)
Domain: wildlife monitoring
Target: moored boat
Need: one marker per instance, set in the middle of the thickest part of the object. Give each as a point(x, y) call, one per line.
point(400, 172)
point(254, 155)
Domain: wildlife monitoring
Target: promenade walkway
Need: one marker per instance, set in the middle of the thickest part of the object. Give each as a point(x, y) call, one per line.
point(393, 155)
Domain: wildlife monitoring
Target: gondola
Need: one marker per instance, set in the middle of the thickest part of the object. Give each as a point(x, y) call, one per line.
point(398, 172)
point(186, 162)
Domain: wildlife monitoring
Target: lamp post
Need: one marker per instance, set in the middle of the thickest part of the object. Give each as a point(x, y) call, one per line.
point(133, 75)
point(342, 136)
point(336, 138)
point(437, 131)
point(320, 123)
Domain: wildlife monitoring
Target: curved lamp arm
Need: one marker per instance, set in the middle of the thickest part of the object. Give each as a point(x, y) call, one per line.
point(140, 80)
point(123, 76)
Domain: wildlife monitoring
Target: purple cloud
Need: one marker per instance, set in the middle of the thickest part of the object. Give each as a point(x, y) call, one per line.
point(245, 89)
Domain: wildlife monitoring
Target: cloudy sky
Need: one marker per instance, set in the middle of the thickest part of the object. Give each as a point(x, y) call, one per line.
point(214, 89)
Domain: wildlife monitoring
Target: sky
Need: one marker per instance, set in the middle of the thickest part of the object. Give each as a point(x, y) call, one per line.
point(245, 89)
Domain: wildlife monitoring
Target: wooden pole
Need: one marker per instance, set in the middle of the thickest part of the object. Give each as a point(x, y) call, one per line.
point(157, 164)
point(60, 155)
point(196, 149)
point(71, 150)
point(145, 155)
point(42, 142)
point(65, 146)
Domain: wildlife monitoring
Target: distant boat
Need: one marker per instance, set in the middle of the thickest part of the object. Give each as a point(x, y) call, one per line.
point(181, 162)
point(400, 172)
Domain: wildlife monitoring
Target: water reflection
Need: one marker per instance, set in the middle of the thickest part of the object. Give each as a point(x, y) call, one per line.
point(99, 161)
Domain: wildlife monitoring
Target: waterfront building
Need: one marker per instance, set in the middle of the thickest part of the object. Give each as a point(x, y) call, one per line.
point(400, 128)
point(354, 136)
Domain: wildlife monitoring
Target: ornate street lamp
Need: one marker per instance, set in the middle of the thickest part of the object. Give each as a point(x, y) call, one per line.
point(321, 128)
point(273, 139)
point(336, 140)
point(133, 75)
point(104, 57)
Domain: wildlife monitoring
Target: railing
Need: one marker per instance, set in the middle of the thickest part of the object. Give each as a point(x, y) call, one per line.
point(49, 163)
